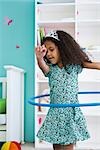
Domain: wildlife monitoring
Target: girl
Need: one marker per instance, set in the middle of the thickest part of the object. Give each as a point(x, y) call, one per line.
point(61, 59)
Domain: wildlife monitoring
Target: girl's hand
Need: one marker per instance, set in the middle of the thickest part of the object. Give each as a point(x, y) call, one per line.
point(40, 51)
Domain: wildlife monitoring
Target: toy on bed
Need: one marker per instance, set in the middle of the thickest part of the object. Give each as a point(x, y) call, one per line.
point(2, 105)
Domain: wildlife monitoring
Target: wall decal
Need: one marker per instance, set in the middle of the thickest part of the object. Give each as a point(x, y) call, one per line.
point(8, 21)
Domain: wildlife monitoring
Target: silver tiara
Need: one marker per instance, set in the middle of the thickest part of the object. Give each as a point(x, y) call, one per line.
point(53, 34)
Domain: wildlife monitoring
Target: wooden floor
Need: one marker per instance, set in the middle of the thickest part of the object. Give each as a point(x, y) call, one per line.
point(30, 146)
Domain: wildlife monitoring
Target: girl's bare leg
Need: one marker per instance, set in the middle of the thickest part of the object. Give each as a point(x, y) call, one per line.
point(57, 147)
point(68, 147)
point(63, 147)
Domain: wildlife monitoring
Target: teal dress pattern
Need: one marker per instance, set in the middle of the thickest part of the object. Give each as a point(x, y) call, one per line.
point(64, 125)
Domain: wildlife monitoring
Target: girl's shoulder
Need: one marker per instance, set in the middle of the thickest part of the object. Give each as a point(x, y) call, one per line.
point(74, 67)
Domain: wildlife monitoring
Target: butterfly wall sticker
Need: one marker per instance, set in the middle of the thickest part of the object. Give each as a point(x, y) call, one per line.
point(8, 21)
point(17, 46)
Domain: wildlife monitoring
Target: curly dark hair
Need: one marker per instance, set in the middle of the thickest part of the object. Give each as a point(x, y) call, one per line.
point(70, 50)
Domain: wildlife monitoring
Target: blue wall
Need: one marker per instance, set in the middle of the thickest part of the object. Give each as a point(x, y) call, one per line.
point(20, 32)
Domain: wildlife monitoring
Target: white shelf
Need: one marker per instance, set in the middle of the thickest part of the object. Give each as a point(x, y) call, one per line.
point(56, 1)
point(88, 3)
point(89, 80)
point(88, 21)
point(42, 81)
point(55, 4)
point(57, 21)
point(42, 113)
point(45, 13)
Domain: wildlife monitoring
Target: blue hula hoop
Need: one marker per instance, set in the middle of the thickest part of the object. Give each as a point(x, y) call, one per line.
point(30, 101)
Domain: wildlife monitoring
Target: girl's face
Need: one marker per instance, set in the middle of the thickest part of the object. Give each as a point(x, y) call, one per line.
point(53, 54)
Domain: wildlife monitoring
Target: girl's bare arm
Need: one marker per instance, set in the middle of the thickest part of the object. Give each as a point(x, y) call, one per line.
point(92, 65)
point(40, 53)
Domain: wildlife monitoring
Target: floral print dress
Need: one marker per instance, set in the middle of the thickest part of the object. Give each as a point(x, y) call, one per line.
point(64, 125)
